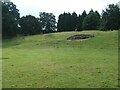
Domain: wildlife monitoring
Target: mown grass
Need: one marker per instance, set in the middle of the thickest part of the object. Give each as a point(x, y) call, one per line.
point(51, 61)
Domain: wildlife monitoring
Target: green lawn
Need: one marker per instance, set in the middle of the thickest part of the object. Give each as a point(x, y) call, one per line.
point(51, 61)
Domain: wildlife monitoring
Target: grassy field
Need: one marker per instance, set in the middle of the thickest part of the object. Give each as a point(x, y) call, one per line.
point(51, 61)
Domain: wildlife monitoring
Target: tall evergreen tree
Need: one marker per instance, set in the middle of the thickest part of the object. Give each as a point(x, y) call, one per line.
point(79, 24)
point(80, 20)
point(67, 21)
point(84, 14)
point(60, 24)
point(74, 21)
point(64, 22)
point(97, 13)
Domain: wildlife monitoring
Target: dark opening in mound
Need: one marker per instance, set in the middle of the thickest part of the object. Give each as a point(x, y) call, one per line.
point(80, 36)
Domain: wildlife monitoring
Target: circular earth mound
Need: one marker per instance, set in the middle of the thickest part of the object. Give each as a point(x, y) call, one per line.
point(80, 36)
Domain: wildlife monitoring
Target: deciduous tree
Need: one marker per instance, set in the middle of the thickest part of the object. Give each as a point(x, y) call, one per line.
point(10, 17)
point(48, 22)
point(111, 18)
point(30, 25)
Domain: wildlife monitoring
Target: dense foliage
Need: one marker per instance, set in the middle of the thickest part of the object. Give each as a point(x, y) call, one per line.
point(68, 22)
point(64, 22)
point(91, 21)
point(48, 22)
point(72, 22)
point(30, 25)
point(111, 18)
point(10, 17)
point(13, 25)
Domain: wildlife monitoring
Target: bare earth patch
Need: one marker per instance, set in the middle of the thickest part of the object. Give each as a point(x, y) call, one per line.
point(80, 37)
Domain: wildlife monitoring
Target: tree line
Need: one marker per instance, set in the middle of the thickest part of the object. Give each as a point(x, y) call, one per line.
point(72, 22)
point(108, 20)
point(13, 25)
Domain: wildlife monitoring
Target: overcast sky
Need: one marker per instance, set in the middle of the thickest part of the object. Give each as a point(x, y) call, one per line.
point(57, 7)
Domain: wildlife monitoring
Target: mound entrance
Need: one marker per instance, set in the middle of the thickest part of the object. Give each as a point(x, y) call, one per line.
point(80, 36)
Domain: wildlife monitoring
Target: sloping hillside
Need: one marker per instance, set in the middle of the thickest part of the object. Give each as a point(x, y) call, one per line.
point(50, 60)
